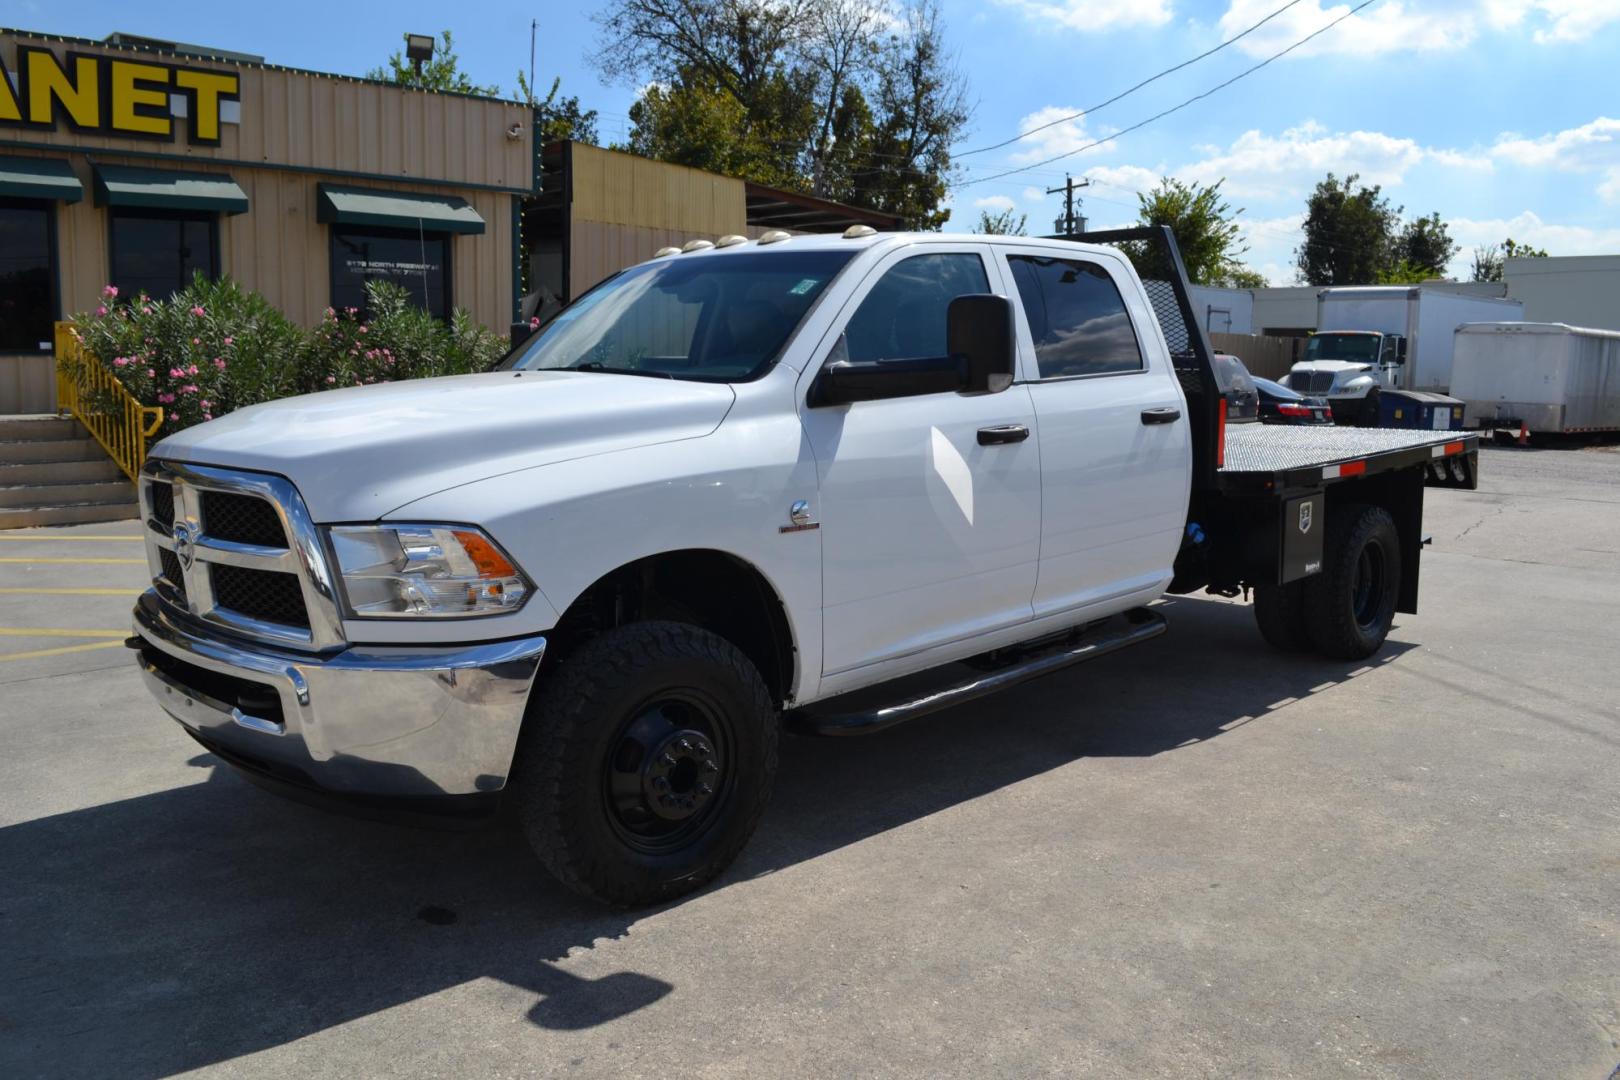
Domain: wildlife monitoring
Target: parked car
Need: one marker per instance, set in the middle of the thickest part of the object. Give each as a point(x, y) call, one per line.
point(1280, 405)
point(1237, 385)
point(718, 495)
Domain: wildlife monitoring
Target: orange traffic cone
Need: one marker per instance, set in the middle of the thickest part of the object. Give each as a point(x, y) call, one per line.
point(1524, 433)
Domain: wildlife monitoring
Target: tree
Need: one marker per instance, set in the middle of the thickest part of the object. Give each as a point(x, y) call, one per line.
point(1002, 223)
point(813, 95)
point(1349, 233)
point(1490, 260)
point(440, 73)
point(1405, 272)
point(1243, 277)
point(560, 118)
point(1205, 228)
point(1425, 244)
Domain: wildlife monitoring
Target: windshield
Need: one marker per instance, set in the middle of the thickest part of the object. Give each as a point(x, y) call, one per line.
point(1357, 347)
point(718, 318)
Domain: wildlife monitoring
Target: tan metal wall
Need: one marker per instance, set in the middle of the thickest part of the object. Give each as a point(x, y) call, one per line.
point(27, 384)
point(279, 250)
point(622, 189)
point(1267, 357)
point(328, 123)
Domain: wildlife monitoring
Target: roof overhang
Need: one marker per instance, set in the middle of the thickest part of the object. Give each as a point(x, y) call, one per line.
point(395, 210)
point(39, 178)
point(164, 189)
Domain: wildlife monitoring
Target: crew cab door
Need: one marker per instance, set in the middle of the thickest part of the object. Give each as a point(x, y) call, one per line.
point(1114, 433)
point(929, 505)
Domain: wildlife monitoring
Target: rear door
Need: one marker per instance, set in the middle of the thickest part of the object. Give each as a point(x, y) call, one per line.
point(1113, 431)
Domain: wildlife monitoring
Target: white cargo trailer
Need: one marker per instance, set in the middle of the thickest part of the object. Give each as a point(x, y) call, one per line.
point(1551, 377)
point(1423, 320)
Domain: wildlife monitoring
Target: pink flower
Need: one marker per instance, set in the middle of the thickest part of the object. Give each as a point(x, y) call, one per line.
point(120, 361)
point(196, 341)
point(204, 403)
point(362, 328)
point(189, 388)
point(229, 341)
point(166, 398)
point(208, 416)
point(102, 310)
point(219, 362)
point(330, 379)
point(198, 311)
point(192, 370)
point(110, 292)
point(147, 310)
point(176, 373)
point(150, 374)
point(534, 323)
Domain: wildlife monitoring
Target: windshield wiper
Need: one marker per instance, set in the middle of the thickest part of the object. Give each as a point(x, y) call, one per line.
point(597, 365)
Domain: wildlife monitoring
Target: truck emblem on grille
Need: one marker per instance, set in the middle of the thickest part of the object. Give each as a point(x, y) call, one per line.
point(1305, 517)
point(184, 549)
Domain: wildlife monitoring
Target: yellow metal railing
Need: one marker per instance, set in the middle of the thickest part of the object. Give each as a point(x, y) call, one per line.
point(95, 397)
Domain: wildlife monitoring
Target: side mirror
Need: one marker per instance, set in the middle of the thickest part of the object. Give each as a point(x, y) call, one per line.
point(1400, 350)
point(979, 332)
point(842, 380)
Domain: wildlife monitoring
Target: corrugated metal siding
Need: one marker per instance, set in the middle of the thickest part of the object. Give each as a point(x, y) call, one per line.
point(27, 384)
point(316, 122)
point(622, 189)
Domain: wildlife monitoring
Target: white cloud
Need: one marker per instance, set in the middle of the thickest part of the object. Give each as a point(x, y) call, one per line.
point(1063, 131)
point(994, 202)
point(1593, 147)
point(1429, 26)
point(1034, 194)
point(1257, 165)
point(1132, 178)
point(1527, 227)
point(1094, 16)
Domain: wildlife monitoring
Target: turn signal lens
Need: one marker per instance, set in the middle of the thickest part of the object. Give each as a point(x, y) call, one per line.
point(424, 571)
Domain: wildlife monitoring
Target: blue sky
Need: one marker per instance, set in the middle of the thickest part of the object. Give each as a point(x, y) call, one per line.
point(1503, 115)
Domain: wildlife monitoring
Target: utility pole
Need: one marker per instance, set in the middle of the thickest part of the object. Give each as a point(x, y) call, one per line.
point(1070, 224)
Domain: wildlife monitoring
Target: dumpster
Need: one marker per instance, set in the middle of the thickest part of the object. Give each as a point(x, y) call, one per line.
point(1419, 409)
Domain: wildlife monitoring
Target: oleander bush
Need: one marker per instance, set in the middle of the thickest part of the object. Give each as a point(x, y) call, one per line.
point(215, 346)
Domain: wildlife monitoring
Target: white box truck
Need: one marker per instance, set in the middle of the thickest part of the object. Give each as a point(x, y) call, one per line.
point(1397, 337)
point(1551, 377)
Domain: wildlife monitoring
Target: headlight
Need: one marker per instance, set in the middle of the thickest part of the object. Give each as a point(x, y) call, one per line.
point(417, 571)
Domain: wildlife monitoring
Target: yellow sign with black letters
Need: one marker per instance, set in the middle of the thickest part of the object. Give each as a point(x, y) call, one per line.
point(114, 95)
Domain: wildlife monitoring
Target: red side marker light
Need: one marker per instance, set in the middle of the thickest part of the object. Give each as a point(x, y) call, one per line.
point(1454, 448)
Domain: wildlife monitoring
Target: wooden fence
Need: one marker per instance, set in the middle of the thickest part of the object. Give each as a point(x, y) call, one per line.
point(1267, 357)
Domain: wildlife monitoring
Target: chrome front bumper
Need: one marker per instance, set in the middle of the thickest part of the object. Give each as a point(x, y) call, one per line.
point(376, 721)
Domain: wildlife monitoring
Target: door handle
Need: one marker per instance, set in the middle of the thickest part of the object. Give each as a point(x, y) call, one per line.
point(1006, 433)
point(1161, 416)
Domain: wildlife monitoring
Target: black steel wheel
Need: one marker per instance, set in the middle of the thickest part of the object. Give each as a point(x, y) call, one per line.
point(646, 762)
point(1350, 605)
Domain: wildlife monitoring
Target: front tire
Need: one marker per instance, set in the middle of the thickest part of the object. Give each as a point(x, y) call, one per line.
point(649, 764)
point(1350, 605)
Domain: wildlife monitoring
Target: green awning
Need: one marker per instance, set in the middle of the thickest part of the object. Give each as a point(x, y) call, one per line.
point(39, 178)
point(395, 210)
point(162, 189)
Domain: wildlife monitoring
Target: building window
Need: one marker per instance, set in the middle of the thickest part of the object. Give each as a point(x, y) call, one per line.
point(158, 252)
point(417, 262)
point(1076, 316)
point(27, 276)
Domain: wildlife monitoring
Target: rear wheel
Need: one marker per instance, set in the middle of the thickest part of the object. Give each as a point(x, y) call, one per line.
point(1350, 605)
point(1279, 610)
point(649, 764)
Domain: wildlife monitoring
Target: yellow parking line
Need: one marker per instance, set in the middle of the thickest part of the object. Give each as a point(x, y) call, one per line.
point(71, 562)
point(37, 653)
point(39, 538)
point(36, 631)
point(70, 592)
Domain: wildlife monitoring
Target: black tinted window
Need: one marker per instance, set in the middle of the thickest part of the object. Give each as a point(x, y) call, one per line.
point(903, 317)
point(1076, 317)
point(158, 252)
point(417, 262)
point(27, 277)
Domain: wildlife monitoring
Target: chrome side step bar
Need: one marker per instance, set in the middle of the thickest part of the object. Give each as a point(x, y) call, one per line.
point(1075, 647)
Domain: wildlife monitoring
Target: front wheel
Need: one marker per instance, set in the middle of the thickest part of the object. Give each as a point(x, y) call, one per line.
point(1370, 409)
point(649, 763)
point(1350, 605)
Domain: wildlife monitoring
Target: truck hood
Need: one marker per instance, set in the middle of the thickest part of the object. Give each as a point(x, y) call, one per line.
point(1333, 365)
point(356, 454)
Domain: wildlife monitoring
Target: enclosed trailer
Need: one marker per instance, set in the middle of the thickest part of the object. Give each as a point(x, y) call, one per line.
point(1551, 377)
point(1422, 320)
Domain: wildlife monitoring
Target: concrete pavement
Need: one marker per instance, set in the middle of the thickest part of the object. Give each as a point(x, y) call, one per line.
point(1195, 858)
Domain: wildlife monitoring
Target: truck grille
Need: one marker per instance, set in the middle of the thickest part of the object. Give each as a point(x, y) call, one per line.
point(238, 549)
point(1316, 382)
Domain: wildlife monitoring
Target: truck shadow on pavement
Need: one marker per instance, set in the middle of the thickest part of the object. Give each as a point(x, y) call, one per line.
point(202, 923)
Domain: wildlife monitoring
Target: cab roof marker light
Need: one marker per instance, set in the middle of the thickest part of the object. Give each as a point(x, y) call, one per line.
point(856, 232)
point(730, 240)
point(697, 245)
point(661, 252)
point(774, 236)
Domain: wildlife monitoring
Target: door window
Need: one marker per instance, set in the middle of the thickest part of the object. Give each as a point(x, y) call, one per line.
point(903, 317)
point(1076, 317)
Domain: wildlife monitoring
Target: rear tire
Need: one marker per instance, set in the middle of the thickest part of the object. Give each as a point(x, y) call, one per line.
point(1370, 409)
point(1279, 611)
point(649, 763)
point(1350, 605)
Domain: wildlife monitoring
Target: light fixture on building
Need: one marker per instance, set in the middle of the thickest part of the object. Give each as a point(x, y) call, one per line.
point(418, 50)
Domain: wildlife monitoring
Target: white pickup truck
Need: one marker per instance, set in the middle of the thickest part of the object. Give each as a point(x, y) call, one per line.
point(730, 489)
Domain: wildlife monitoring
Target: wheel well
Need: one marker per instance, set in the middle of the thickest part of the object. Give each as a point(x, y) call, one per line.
point(711, 589)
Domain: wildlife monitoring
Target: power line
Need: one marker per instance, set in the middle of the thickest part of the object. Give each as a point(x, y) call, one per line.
point(1132, 90)
point(1174, 108)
